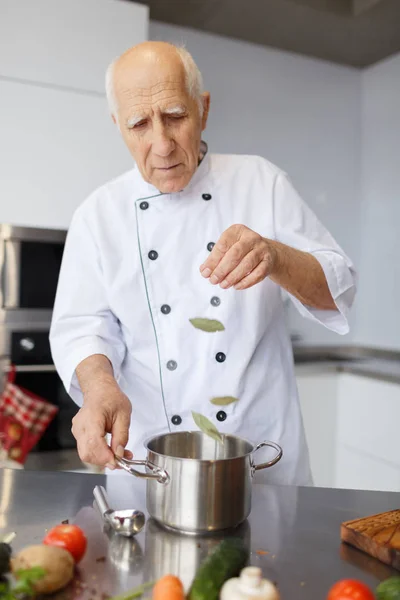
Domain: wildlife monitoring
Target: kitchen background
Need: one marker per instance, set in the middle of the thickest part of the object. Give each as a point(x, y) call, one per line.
point(318, 94)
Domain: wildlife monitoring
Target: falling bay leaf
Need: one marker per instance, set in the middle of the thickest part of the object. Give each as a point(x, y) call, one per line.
point(209, 325)
point(207, 427)
point(224, 400)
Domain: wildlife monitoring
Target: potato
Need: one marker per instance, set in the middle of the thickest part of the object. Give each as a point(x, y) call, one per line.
point(56, 562)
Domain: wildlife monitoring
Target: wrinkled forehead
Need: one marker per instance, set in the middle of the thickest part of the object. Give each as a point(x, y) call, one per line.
point(149, 83)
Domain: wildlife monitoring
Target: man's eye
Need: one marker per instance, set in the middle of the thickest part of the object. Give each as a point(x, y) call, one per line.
point(139, 125)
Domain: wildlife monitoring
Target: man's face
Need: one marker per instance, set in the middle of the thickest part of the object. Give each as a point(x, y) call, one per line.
point(159, 122)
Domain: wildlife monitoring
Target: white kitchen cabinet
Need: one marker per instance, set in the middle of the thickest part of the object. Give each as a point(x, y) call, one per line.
point(318, 401)
point(56, 147)
point(360, 470)
point(67, 44)
point(351, 424)
point(368, 449)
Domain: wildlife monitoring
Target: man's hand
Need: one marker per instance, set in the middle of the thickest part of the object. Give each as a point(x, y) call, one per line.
point(241, 258)
point(106, 409)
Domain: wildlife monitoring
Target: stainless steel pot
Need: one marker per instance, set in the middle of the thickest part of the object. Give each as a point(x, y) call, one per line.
point(196, 484)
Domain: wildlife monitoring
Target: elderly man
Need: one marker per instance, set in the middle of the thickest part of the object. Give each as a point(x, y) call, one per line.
point(188, 235)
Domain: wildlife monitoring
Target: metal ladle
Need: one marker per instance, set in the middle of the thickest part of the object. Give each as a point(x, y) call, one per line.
point(124, 522)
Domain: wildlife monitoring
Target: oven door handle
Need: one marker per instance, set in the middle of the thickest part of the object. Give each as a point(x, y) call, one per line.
point(11, 273)
point(31, 368)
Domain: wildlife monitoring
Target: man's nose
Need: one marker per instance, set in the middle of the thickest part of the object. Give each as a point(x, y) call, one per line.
point(163, 143)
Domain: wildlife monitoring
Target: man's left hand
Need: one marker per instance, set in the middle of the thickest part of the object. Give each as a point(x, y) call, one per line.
point(240, 259)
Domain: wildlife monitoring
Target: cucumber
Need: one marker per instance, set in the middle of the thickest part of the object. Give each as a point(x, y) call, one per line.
point(5, 555)
point(389, 589)
point(226, 561)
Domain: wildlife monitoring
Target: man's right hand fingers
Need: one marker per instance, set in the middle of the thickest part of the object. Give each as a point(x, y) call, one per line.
point(94, 421)
point(120, 433)
point(94, 450)
point(91, 443)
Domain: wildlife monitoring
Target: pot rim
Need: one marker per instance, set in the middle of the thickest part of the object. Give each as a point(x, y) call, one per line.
point(201, 460)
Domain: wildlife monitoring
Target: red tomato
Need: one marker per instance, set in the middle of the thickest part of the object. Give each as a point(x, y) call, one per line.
point(350, 589)
point(69, 537)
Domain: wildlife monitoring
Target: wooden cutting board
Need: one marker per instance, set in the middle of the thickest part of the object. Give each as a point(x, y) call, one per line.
point(377, 535)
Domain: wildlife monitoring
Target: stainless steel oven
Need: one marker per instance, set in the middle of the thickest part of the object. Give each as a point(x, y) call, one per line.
point(30, 260)
point(31, 357)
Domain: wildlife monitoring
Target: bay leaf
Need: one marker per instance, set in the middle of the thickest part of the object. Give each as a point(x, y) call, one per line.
point(209, 325)
point(223, 400)
point(207, 427)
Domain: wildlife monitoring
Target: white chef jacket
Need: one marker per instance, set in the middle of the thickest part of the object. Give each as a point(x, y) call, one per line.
point(130, 283)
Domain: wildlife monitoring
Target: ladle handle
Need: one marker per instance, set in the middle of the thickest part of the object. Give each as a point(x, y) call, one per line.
point(100, 495)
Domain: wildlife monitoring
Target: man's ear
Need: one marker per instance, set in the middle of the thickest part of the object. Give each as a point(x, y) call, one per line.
point(206, 99)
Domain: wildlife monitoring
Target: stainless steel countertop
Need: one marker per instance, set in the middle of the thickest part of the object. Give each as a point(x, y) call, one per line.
point(299, 527)
point(358, 360)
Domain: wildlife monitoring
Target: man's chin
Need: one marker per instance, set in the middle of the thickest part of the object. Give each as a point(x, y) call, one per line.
point(172, 185)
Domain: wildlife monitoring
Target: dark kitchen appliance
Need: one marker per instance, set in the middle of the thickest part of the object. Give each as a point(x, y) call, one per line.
point(35, 371)
point(30, 260)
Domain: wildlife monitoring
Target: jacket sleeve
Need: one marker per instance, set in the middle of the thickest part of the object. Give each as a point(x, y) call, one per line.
point(297, 226)
point(82, 323)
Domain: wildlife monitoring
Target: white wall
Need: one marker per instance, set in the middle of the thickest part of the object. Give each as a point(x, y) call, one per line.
point(300, 113)
point(67, 43)
point(378, 306)
point(56, 146)
point(57, 140)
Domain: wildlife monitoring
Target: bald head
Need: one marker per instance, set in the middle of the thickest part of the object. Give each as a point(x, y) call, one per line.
point(147, 59)
point(150, 48)
point(149, 54)
point(155, 95)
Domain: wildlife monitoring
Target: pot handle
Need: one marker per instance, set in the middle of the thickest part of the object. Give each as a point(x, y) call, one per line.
point(156, 473)
point(272, 462)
